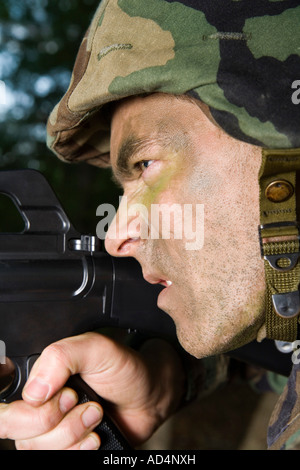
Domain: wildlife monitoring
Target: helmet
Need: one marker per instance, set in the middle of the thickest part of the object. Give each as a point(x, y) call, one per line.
point(242, 59)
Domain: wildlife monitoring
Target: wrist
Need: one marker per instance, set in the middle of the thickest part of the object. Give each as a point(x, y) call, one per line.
point(168, 376)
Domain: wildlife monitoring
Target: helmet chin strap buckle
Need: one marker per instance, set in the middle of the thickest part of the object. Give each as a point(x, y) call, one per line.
point(288, 260)
point(279, 234)
point(287, 305)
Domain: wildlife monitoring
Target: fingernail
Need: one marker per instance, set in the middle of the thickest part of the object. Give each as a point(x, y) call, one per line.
point(91, 416)
point(90, 443)
point(67, 401)
point(37, 390)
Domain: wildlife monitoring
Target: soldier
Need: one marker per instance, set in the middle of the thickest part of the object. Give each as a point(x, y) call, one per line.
point(189, 103)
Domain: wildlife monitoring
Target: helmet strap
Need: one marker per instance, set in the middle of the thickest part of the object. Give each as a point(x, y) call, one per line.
point(279, 241)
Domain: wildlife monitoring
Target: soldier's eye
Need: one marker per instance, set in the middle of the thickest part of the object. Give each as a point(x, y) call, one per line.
point(145, 164)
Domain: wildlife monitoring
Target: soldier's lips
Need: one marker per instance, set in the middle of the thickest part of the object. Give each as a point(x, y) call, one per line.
point(163, 293)
point(153, 279)
point(166, 300)
point(166, 283)
point(156, 279)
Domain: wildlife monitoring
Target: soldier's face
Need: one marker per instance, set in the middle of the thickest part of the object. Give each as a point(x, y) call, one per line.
point(165, 150)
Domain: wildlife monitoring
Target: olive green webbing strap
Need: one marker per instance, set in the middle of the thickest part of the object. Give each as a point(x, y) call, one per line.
point(279, 238)
point(278, 327)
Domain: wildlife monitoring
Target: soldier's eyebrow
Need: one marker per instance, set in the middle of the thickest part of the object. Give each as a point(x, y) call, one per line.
point(132, 145)
point(129, 149)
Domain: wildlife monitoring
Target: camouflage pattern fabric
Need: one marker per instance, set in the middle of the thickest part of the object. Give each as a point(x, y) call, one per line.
point(284, 428)
point(239, 57)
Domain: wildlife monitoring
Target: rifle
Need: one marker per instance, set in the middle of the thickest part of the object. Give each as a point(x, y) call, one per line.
point(56, 283)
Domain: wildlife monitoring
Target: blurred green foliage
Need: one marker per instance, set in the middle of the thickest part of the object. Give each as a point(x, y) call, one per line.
point(39, 40)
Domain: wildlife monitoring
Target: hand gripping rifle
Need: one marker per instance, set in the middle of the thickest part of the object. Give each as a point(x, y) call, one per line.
point(56, 283)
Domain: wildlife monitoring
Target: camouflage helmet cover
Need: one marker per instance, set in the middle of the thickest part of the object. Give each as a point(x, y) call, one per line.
point(239, 57)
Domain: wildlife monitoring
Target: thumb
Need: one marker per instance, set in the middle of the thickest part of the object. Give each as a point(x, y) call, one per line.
point(56, 364)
